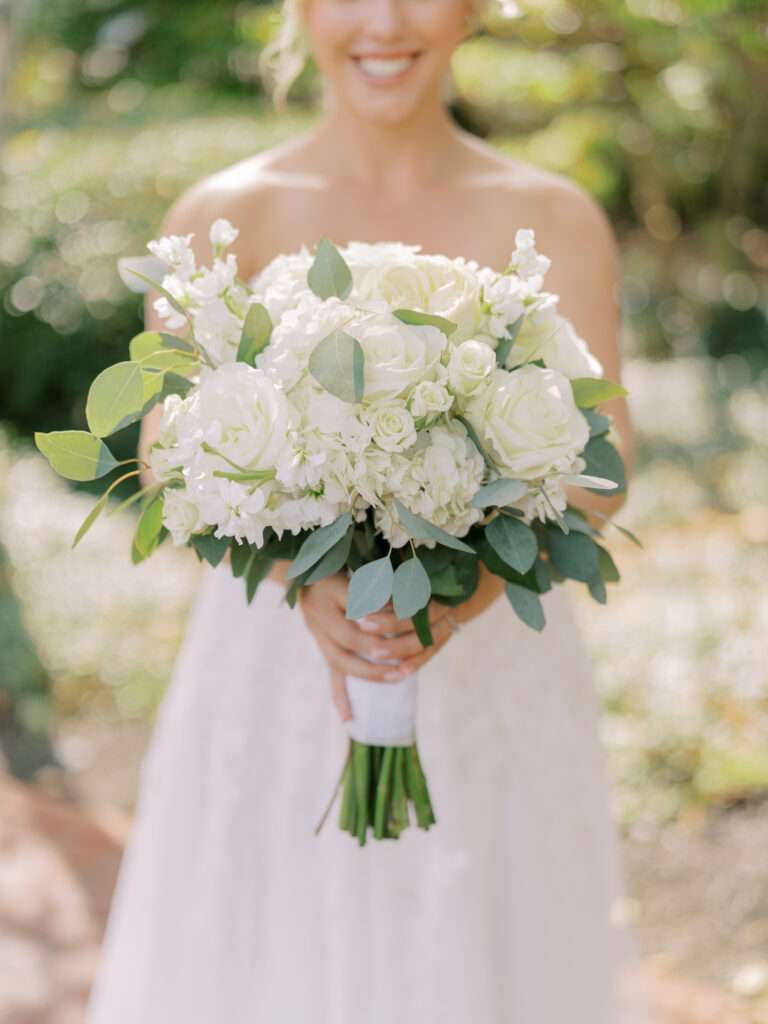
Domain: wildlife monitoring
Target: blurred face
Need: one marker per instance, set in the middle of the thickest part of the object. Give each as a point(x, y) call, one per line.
point(383, 58)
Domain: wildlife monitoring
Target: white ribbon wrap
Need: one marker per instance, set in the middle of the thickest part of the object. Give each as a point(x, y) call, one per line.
point(383, 714)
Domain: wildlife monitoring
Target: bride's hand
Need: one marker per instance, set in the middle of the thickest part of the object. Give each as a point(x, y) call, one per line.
point(342, 641)
point(444, 621)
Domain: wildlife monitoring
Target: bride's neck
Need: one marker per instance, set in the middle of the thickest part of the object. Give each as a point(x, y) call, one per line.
point(391, 158)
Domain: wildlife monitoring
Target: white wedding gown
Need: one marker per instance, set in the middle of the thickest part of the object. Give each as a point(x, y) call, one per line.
point(230, 910)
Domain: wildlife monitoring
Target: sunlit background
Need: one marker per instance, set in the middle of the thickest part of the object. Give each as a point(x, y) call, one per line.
point(109, 108)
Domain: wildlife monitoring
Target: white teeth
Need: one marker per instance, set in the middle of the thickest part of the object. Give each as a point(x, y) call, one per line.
point(384, 67)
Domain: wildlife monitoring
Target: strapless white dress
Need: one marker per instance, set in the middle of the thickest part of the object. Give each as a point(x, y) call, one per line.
point(229, 908)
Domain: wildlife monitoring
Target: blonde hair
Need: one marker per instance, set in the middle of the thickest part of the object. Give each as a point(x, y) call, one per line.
point(283, 58)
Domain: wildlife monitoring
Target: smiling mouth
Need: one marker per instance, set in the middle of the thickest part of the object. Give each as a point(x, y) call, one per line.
point(386, 69)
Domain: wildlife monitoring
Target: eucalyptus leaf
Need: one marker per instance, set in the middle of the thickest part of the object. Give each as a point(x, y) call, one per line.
point(505, 344)
point(115, 398)
point(608, 568)
point(513, 541)
point(603, 460)
point(499, 492)
point(258, 569)
point(76, 454)
point(591, 483)
point(337, 363)
point(421, 529)
point(574, 554)
point(598, 423)
point(317, 543)
point(598, 590)
point(411, 589)
point(527, 605)
point(445, 582)
point(149, 526)
point(329, 274)
point(240, 555)
point(257, 332)
point(332, 561)
point(589, 391)
point(209, 547)
point(420, 319)
point(476, 441)
point(156, 350)
point(370, 587)
point(175, 384)
point(141, 274)
point(91, 518)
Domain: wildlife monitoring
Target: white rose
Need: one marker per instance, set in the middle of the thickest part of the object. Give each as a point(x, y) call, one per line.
point(222, 232)
point(392, 428)
point(547, 335)
point(429, 398)
point(246, 415)
point(397, 355)
point(471, 363)
point(528, 422)
point(181, 515)
point(431, 283)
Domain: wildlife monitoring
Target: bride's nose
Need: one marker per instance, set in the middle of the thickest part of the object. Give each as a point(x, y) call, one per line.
point(386, 19)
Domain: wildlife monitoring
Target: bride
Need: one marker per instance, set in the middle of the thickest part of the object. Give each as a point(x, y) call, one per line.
point(228, 906)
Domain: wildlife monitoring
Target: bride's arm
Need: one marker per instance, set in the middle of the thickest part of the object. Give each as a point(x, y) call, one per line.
point(585, 273)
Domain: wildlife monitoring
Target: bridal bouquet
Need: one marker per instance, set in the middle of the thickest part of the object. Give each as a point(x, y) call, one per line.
point(374, 410)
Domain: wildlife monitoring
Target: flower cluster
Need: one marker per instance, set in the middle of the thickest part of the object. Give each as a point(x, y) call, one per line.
point(422, 379)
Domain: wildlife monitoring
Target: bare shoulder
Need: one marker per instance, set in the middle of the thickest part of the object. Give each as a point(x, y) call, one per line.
point(564, 216)
point(246, 193)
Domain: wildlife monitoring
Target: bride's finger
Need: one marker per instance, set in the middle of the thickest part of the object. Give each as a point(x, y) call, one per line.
point(340, 696)
point(387, 622)
point(441, 633)
point(350, 665)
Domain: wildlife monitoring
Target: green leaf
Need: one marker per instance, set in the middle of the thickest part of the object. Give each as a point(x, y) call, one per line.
point(159, 351)
point(575, 521)
point(574, 554)
point(608, 568)
point(513, 541)
point(370, 587)
point(476, 441)
point(149, 525)
point(411, 589)
point(589, 391)
point(542, 575)
point(499, 492)
point(76, 454)
point(419, 319)
point(257, 332)
point(603, 459)
point(317, 543)
point(598, 423)
point(209, 547)
point(332, 561)
point(337, 363)
point(115, 398)
point(240, 555)
point(175, 384)
point(597, 590)
point(445, 582)
point(258, 570)
point(422, 627)
point(421, 529)
point(329, 274)
point(527, 605)
point(506, 343)
point(91, 518)
point(153, 285)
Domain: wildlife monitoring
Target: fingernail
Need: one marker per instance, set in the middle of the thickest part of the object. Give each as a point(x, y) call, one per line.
point(380, 652)
point(368, 625)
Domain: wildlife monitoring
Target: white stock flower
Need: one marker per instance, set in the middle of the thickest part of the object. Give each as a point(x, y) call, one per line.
point(392, 427)
point(397, 355)
point(528, 422)
point(211, 283)
point(526, 261)
point(282, 282)
point(470, 365)
point(181, 515)
point(547, 335)
point(176, 252)
point(222, 232)
point(430, 398)
point(218, 330)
